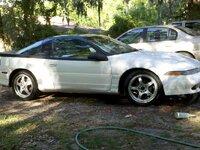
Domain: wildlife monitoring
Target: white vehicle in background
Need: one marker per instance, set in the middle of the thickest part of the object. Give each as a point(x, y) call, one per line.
point(166, 38)
point(192, 24)
point(98, 64)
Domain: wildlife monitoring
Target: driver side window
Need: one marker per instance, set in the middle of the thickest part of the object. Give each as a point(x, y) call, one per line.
point(73, 49)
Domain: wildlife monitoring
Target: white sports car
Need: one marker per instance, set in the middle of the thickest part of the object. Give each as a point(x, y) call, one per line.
point(98, 64)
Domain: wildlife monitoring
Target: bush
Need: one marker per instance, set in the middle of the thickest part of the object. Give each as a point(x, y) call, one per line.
point(122, 24)
point(38, 32)
point(18, 33)
point(84, 30)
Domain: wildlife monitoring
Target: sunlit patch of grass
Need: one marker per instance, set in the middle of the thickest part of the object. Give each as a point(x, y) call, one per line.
point(26, 128)
point(13, 128)
point(8, 124)
point(14, 124)
point(9, 119)
point(18, 131)
point(195, 123)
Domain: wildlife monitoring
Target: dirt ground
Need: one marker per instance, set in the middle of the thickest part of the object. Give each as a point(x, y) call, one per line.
point(84, 111)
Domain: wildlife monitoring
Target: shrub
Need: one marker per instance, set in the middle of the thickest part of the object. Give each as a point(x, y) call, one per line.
point(18, 33)
point(122, 24)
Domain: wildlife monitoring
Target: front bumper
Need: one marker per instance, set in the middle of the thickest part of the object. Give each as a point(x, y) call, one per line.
point(4, 79)
point(182, 84)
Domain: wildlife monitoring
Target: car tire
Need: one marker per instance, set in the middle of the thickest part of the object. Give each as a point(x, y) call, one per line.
point(24, 85)
point(143, 88)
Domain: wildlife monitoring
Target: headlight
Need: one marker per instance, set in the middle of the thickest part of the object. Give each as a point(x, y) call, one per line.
point(179, 73)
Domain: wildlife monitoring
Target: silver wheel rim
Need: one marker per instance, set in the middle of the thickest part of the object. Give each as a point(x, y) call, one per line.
point(143, 88)
point(23, 86)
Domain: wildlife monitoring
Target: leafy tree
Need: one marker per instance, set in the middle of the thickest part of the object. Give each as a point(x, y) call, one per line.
point(139, 14)
point(48, 11)
point(66, 8)
point(143, 13)
point(189, 10)
point(81, 7)
point(172, 10)
point(108, 11)
point(126, 5)
point(20, 24)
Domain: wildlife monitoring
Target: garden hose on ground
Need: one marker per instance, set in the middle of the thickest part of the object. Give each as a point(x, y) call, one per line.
point(133, 131)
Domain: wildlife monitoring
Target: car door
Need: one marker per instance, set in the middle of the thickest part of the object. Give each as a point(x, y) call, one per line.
point(75, 71)
point(160, 39)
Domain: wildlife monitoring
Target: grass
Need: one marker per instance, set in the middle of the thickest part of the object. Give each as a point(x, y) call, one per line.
point(52, 124)
point(17, 131)
point(55, 131)
point(116, 140)
point(11, 130)
point(33, 133)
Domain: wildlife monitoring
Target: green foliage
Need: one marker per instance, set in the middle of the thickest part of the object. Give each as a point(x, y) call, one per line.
point(38, 32)
point(68, 8)
point(79, 30)
point(108, 11)
point(175, 10)
point(187, 11)
point(140, 14)
point(122, 24)
point(19, 24)
point(47, 11)
point(143, 13)
point(19, 32)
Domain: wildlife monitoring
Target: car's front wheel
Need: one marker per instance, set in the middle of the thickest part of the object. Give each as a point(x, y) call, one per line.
point(24, 85)
point(143, 88)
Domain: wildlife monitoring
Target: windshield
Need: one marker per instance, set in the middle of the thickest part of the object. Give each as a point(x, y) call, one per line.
point(110, 45)
point(188, 31)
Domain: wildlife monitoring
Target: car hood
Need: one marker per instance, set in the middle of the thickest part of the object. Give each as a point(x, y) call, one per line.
point(161, 62)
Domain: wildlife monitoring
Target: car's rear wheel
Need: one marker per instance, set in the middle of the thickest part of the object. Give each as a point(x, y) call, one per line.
point(24, 85)
point(143, 88)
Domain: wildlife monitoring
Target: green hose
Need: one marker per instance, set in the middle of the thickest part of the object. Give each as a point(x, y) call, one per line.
point(130, 130)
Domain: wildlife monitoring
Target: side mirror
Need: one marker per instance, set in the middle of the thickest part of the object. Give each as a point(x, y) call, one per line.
point(97, 56)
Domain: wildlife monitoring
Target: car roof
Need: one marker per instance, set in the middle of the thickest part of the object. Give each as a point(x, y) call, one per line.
point(154, 26)
point(75, 36)
point(78, 36)
point(186, 21)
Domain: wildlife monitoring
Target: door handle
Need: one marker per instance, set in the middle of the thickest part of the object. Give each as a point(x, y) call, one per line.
point(168, 46)
point(52, 65)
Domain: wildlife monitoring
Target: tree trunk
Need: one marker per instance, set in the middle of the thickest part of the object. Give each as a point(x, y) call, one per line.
point(159, 11)
point(1, 27)
point(99, 12)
